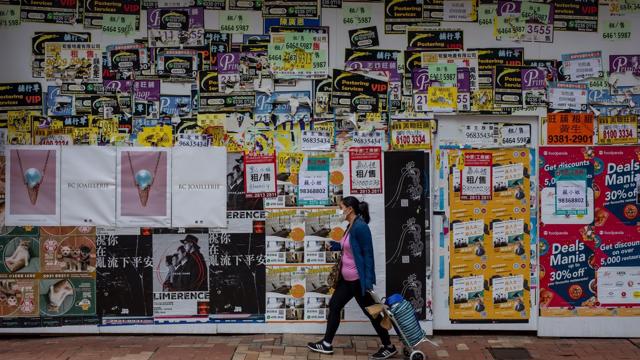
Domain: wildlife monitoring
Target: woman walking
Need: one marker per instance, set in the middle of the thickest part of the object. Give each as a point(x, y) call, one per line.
point(357, 278)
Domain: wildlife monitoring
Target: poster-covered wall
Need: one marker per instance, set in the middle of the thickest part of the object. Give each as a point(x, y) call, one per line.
point(305, 118)
point(589, 253)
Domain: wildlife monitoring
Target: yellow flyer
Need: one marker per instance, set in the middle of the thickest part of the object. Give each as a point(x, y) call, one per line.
point(259, 142)
point(207, 120)
point(510, 297)
point(619, 129)
point(490, 237)
point(482, 100)
point(160, 136)
point(289, 162)
point(442, 98)
point(411, 135)
point(469, 250)
point(287, 140)
point(19, 127)
point(469, 298)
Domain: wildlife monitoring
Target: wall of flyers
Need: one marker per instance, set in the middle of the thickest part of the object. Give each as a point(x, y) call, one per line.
point(293, 107)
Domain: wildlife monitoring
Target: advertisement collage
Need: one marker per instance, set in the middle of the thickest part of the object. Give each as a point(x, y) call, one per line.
point(184, 161)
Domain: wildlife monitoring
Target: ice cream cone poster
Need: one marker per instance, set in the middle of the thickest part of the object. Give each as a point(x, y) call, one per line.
point(143, 197)
point(32, 176)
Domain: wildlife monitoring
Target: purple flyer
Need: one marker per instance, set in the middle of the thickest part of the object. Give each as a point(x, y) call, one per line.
point(533, 79)
point(464, 80)
point(148, 90)
point(624, 63)
point(228, 63)
point(508, 8)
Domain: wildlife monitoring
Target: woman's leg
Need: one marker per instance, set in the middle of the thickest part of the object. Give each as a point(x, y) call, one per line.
point(364, 301)
point(339, 299)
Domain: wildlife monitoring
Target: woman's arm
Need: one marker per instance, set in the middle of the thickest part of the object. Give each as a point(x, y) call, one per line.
point(363, 234)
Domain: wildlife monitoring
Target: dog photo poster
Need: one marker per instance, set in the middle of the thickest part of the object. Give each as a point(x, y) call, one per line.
point(32, 179)
point(68, 295)
point(68, 249)
point(20, 251)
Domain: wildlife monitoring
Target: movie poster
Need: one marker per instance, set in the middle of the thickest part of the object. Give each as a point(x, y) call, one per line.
point(143, 197)
point(32, 180)
point(180, 278)
point(406, 178)
point(236, 276)
point(88, 186)
point(198, 187)
point(124, 277)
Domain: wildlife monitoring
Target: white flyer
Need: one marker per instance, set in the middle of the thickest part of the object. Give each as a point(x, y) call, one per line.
point(199, 195)
point(88, 186)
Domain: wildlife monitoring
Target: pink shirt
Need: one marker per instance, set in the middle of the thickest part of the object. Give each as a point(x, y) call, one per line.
point(349, 270)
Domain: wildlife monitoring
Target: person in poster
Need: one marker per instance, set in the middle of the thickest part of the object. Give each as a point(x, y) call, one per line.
point(356, 278)
point(188, 273)
point(180, 282)
point(236, 196)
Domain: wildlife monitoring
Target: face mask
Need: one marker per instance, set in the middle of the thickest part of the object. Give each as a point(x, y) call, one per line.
point(340, 212)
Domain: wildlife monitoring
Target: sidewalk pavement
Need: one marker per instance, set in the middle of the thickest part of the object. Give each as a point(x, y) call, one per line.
point(293, 347)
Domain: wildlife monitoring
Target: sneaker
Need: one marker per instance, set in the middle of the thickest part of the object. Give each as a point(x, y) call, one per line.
point(384, 352)
point(320, 347)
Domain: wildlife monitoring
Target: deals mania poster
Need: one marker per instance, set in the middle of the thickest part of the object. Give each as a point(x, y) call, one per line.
point(590, 255)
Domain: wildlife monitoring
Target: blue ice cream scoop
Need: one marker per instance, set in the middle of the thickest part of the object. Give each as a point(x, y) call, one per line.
point(32, 177)
point(143, 179)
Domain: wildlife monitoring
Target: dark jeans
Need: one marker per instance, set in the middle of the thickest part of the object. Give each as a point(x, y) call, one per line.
point(345, 291)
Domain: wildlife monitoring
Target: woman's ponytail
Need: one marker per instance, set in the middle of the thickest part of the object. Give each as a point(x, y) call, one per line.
point(361, 208)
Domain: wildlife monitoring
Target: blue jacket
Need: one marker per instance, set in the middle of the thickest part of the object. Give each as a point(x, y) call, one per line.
point(362, 248)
